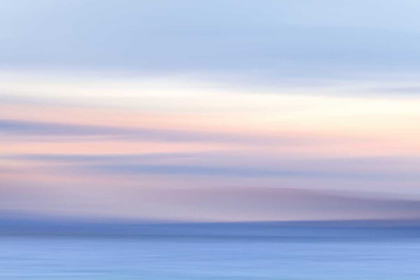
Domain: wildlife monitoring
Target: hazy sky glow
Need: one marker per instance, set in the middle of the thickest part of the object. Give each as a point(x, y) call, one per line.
point(210, 110)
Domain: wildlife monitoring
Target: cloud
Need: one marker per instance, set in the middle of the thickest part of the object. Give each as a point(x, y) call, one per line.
point(263, 41)
point(51, 129)
point(406, 90)
point(237, 165)
point(282, 203)
point(208, 204)
point(209, 187)
point(249, 171)
point(33, 128)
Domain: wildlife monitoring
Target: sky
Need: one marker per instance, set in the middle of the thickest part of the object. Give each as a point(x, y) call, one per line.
point(210, 110)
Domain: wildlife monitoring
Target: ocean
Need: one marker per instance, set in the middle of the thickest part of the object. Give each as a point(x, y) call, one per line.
point(88, 258)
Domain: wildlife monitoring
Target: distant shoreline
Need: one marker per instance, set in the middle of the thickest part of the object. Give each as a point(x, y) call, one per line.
point(278, 231)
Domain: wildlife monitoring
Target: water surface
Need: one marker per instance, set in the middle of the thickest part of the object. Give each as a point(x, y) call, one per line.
point(188, 259)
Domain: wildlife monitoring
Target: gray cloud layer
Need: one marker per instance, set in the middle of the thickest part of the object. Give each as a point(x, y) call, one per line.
point(50, 129)
point(222, 165)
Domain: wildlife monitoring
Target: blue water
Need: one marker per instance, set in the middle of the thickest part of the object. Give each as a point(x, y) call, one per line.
point(89, 258)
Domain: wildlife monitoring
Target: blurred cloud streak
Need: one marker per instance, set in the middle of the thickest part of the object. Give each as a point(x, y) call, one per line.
point(210, 110)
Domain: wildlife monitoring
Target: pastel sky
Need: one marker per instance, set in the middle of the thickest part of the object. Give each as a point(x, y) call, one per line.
point(210, 110)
